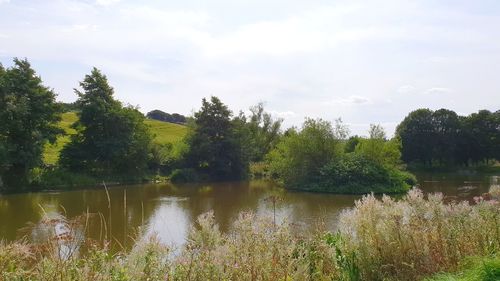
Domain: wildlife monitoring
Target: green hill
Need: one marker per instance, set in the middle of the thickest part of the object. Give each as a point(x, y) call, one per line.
point(163, 132)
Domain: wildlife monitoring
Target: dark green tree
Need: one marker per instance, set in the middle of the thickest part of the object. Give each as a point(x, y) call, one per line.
point(29, 116)
point(416, 133)
point(110, 139)
point(481, 131)
point(447, 127)
point(215, 149)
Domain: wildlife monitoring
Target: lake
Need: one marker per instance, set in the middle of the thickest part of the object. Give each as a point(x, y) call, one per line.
point(168, 210)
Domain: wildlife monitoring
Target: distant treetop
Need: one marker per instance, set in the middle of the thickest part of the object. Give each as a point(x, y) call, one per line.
point(166, 117)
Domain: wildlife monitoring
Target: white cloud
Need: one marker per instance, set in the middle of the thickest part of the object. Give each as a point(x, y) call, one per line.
point(282, 114)
point(294, 54)
point(352, 100)
point(106, 2)
point(437, 91)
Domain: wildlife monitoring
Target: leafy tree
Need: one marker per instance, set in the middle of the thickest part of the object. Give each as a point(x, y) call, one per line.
point(378, 149)
point(416, 133)
point(444, 138)
point(351, 144)
point(482, 132)
point(261, 132)
point(29, 115)
point(214, 147)
point(110, 139)
point(376, 132)
point(299, 156)
point(446, 125)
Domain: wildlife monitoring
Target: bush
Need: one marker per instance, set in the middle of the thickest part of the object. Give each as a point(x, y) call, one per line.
point(184, 175)
point(60, 178)
point(356, 174)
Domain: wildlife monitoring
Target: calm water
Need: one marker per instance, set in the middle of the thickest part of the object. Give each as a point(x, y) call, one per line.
point(168, 210)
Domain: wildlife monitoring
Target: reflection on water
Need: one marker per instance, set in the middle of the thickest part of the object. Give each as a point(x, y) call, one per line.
point(168, 211)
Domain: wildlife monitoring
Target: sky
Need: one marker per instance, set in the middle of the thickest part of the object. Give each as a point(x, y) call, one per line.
point(364, 61)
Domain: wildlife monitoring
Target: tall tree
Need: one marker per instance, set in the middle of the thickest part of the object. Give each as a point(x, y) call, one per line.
point(29, 115)
point(264, 132)
point(111, 139)
point(299, 156)
point(416, 133)
point(214, 149)
point(446, 126)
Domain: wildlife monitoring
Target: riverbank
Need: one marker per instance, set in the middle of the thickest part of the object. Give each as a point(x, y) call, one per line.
point(377, 239)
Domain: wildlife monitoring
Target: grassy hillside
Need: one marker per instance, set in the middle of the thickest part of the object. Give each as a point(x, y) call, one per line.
point(164, 133)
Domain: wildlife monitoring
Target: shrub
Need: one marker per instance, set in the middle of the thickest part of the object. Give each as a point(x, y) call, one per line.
point(184, 175)
point(356, 174)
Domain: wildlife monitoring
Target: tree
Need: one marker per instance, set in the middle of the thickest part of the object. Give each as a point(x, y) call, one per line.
point(214, 148)
point(263, 132)
point(29, 115)
point(444, 138)
point(110, 139)
point(446, 131)
point(416, 133)
point(299, 156)
point(351, 143)
point(482, 132)
point(165, 117)
point(378, 149)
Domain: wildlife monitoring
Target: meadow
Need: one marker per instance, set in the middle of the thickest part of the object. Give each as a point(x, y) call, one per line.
point(163, 132)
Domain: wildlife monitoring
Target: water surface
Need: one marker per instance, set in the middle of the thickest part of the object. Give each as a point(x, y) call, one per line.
point(168, 210)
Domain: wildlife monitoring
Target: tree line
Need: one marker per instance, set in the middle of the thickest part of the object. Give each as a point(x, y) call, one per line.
point(444, 138)
point(167, 117)
point(113, 142)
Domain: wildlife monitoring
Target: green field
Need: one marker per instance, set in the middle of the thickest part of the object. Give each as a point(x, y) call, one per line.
point(163, 132)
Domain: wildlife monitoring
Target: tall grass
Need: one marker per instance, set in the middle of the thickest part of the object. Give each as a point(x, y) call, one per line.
point(415, 237)
point(384, 239)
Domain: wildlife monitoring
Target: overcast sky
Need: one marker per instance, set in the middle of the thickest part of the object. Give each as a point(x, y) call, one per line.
point(364, 61)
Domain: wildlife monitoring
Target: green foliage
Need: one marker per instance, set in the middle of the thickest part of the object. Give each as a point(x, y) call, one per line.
point(314, 160)
point(215, 149)
point(437, 138)
point(29, 117)
point(299, 156)
point(166, 117)
point(378, 149)
point(263, 133)
point(351, 143)
point(473, 269)
point(357, 174)
point(110, 139)
point(165, 134)
point(184, 175)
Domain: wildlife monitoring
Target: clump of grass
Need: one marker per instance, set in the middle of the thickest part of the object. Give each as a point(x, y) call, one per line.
point(415, 237)
point(474, 269)
point(255, 249)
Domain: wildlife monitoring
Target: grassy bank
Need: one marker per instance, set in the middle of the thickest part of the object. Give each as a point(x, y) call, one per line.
point(473, 269)
point(409, 239)
point(163, 132)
